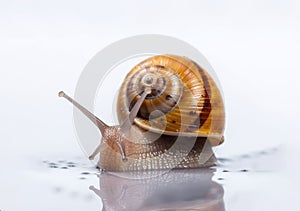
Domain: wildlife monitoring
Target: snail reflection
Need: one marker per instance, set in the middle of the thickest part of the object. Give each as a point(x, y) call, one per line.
point(179, 189)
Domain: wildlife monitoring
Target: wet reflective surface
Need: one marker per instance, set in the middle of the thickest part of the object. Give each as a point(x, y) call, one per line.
point(253, 181)
point(219, 188)
point(177, 189)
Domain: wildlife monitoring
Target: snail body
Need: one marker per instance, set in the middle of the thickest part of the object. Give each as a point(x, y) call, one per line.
point(171, 114)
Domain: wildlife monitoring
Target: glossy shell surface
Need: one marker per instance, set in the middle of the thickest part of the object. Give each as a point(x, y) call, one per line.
point(184, 98)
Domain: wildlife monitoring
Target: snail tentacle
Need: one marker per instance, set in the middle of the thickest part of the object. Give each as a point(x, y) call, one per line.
point(122, 150)
point(96, 151)
point(125, 127)
point(100, 124)
point(133, 113)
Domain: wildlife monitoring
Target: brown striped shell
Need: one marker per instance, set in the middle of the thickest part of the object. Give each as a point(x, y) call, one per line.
point(184, 98)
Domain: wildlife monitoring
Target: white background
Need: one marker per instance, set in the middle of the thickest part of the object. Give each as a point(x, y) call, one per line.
point(44, 45)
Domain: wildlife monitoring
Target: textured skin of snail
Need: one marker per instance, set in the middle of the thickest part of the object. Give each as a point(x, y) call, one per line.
point(186, 113)
point(162, 153)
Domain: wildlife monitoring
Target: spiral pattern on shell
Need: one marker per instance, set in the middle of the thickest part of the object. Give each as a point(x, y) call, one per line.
point(184, 99)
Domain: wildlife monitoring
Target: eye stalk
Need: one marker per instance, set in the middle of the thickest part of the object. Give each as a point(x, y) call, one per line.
point(100, 124)
point(111, 133)
point(149, 80)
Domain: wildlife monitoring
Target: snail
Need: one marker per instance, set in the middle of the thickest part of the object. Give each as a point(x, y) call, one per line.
point(171, 113)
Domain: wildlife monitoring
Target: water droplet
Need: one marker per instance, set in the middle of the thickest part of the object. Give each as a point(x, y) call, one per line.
point(52, 164)
point(85, 173)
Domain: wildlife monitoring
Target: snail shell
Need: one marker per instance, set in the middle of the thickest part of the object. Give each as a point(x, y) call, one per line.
point(184, 98)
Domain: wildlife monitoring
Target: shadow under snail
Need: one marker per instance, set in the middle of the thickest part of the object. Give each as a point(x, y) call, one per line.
point(171, 114)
